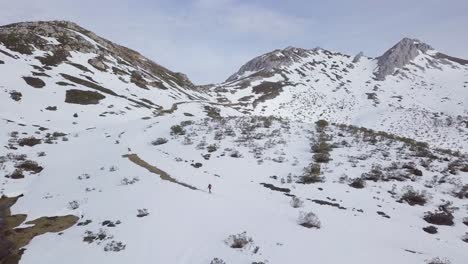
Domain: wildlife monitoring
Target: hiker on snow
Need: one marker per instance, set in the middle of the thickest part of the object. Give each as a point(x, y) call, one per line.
point(209, 188)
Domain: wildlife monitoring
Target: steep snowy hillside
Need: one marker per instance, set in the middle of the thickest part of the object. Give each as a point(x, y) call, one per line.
point(107, 156)
point(300, 192)
point(411, 90)
point(59, 72)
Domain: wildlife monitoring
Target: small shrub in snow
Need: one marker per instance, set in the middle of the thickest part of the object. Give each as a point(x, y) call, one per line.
point(159, 141)
point(438, 261)
point(239, 240)
point(73, 205)
point(142, 212)
point(16, 174)
point(177, 130)
point(322, 157)
point(212, 148)
point(30, 141)
point(113, 168)
point(375, 174)
point(187, 141)
point(465, 221)
point(217, 261)
point(296, 202)
point(461, 193)
point(430, 229)
point(127, 181)
point(29, 165)
point(115, 246)
point(311, 174)
point(439, 218)
point(321, 147)
point(235, 154)
point(358, 183)
point(413, 197)
point(309, 220)
point(465, 238)
point(321, 124)
point(186, 123)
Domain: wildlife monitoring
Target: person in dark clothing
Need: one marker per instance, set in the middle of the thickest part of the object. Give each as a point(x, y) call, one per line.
point(209, 188)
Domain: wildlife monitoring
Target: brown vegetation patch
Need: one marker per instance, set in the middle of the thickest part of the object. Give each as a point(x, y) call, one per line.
point(30, 141)
point(164, 175)
point(75, 96)
point(34, 82)
point(13, 239)
point(29, 165)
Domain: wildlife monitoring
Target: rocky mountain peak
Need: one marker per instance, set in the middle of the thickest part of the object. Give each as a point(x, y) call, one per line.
point(399, 55)
point(270, 61)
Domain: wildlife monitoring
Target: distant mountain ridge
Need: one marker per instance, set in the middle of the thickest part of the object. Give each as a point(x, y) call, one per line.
point(411, 90)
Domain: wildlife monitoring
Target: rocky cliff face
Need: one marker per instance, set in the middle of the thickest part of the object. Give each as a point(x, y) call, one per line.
point(267, 62)
point(399, 55)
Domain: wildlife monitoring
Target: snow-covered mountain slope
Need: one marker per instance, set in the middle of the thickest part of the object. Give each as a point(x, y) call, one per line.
point(140, 193)
point(106, 156)
point(411, 90)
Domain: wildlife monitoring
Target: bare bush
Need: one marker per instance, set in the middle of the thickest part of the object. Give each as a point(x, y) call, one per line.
point(358, 183)
point(311, 174)
point(413, 197)
point(439, 218)
point(322, 157)
point(177, 130)
point(296, 202)
point(30, 141)
point(159, 141)
point(309, 220)
point(239, 240)
point(217, 261)
point(438, 260)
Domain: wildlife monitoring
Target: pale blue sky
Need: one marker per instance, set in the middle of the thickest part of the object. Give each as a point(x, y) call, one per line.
point(211, 39)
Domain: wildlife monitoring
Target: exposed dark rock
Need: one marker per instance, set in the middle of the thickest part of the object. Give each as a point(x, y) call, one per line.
point(274, 188)
point(430, 229)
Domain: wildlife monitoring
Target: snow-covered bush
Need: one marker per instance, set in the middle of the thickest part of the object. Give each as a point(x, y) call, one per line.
point(115, 246)
point(296, 202)
point(212, 148)
point(239, 240)
point(311, 174)
point(438, 260)
point(309, 220)
point(375, 174)
point(177, 130)
point(465, 221)
point(322, 157)
point(439, 218)
point(465, 238)
point(127, 181)
point(159, 141)
point(142, 212)
point(217, 261)
point(358, 183)
point(413, 197)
